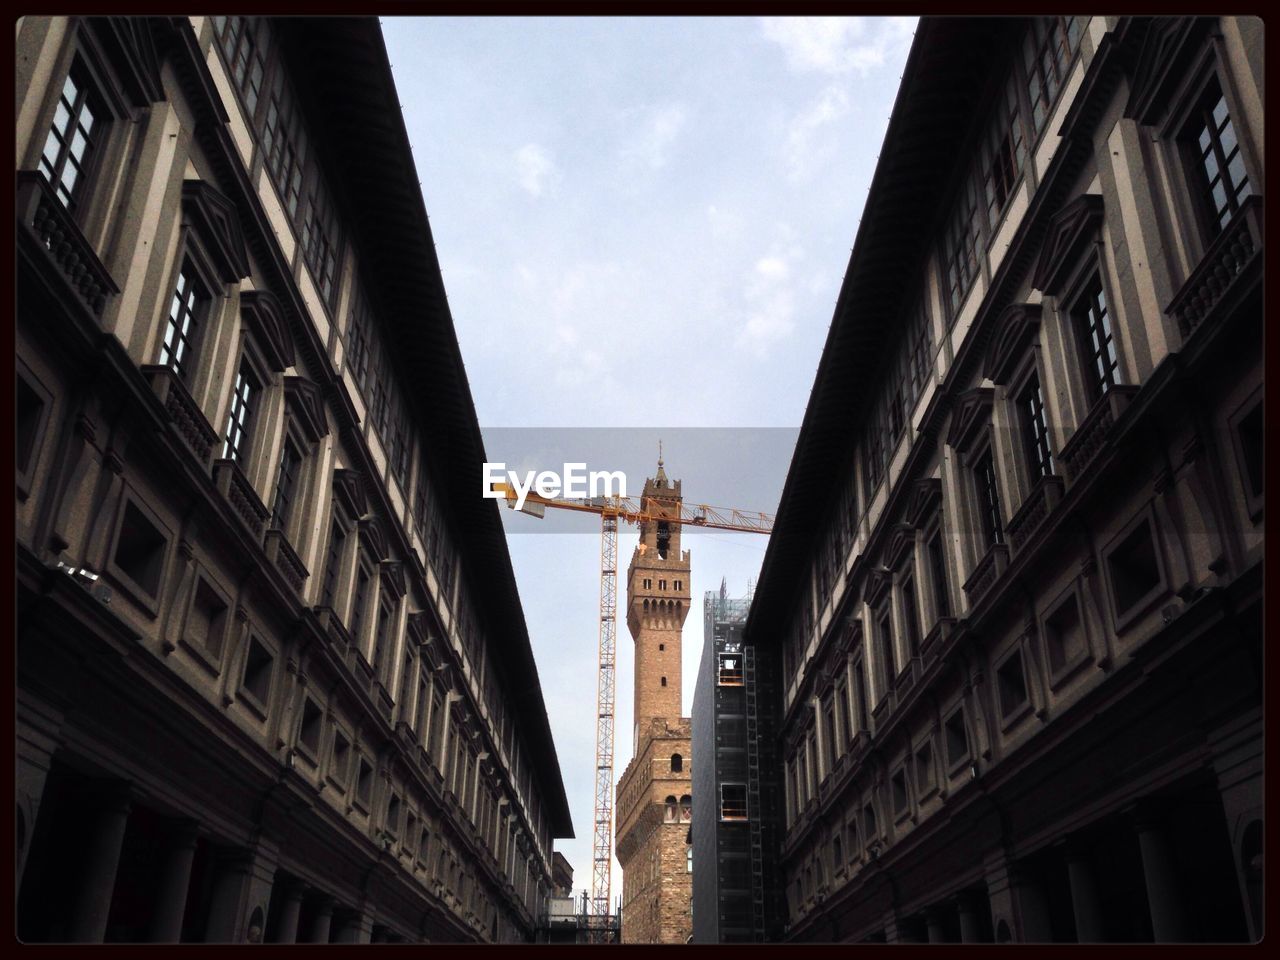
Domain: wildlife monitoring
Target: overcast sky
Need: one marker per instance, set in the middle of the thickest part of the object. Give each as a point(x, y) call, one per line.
point(642, 223)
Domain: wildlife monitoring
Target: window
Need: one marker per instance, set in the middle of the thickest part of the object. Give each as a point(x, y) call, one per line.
point(244, 397)
point(733, 801)
point(861, 682)
point(662, 646)
point(924, 769)
point(357, 340)
point(359, 603)
point(393, 815)
point(869, 822)
point(988, 501)
point(1092, 322)
point(364, 783)
point(898, 789)
point(910, 614)
point(920, 342)
point(182, 326)
point(32, 405)
point(1224, 183)
point(960, 246)
point(688, 859)
point(1249, 437)
point(309, 729)
point(938, 573)
point(829, 733)
point(648, 583)
point(434, 735)
point(140, 551)
point(957, 740)
point(1064, 636)
point(1003, 154)
point(837, 852)
point(730, 672)
point(242, 50)
point(686, 808)
point(1011, 685)
point(406, 681)
point(258, 667)
point(884, 630)
point(284, 144)
point(340, 757)
point(664, 681)
point(286, 480)
point(319, 233)
point(662, 584)
point(382, 636)
point(1035, 429)
point(842, 697)
point(669, 810)
point(73, 136)
point(1134, 569)
point(332, 565)
point(1047, 52)
point(677, 763)
point(420, 708)
point(207, 620)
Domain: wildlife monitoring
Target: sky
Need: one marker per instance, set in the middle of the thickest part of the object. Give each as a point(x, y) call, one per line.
point(642, 223)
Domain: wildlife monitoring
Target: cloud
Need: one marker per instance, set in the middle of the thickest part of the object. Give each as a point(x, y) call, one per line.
point(769, 297)
point(534, 167)
point(661, 126)
point(838, 45)
point(804, 148)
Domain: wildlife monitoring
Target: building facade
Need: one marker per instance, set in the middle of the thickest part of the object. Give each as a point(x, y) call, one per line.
point(274, 680)
point(737, 893)
point(1021, 630)
point(654, 803)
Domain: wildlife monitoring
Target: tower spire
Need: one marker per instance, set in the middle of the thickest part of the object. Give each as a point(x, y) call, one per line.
point(660, 478)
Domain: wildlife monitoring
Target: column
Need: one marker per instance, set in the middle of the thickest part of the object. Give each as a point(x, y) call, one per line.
point(1085, 903)
point(356, 927)
point(933, 924)
point(1162, 883)
point(290, 910)
point(36, 740)
point(318, 932)
point(970, 921)
point(241, 891)
point(1032, 908)
point(101, 858)
point(175, 877)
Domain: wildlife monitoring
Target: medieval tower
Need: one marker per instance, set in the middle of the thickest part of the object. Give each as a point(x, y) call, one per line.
point(654, 803)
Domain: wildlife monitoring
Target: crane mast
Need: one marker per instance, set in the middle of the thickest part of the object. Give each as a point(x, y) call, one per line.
point(602, 845)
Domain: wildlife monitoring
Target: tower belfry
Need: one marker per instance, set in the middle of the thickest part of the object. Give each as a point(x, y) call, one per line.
point(654, 800)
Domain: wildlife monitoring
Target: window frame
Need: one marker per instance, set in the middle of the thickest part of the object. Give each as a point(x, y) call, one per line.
point(27, 472)
point(1091, 275)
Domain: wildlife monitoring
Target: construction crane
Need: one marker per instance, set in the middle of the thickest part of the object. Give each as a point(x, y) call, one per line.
point(632, 510)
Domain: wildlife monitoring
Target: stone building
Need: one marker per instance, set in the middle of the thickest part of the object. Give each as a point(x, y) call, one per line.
point(274, 679)
point(1016, 571)
point(654, 803)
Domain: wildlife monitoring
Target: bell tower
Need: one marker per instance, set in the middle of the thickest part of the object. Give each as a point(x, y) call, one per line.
point(657, 604)
point(654, 799)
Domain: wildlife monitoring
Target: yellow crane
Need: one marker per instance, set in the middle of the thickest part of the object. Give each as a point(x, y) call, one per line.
point(633, 510)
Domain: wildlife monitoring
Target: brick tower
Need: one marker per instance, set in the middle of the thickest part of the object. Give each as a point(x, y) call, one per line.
point(654, 792)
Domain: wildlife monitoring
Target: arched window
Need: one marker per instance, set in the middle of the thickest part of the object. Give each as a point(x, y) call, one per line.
point(670, 814)
point(686, 809)
point(677, 763)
